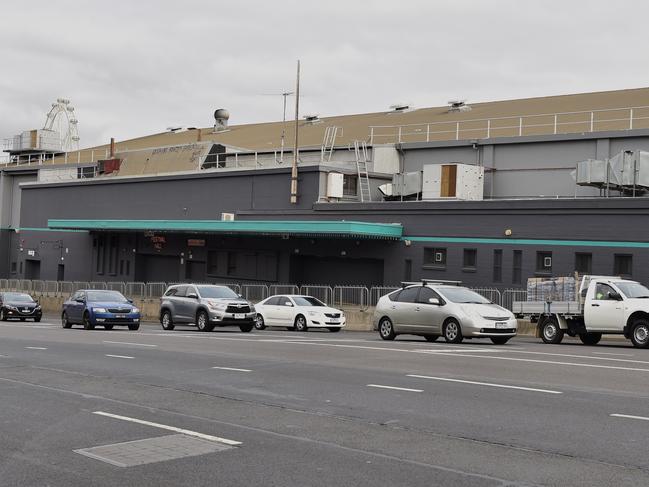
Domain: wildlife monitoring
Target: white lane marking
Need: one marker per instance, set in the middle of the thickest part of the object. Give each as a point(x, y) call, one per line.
point(488, 384)
point(618, 354)
point(578, 356)
point(628, 416)
point(118, 356)
point(460, 350)
point(170, 428)
point(233, 369)
point(129, 343)
point(552, 362)
point(36, 348)
point(378, 386)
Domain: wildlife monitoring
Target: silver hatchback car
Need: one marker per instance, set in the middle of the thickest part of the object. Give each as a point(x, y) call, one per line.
point(433, 309)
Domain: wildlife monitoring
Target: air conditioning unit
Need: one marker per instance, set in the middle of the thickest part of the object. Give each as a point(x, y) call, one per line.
point(227, 217)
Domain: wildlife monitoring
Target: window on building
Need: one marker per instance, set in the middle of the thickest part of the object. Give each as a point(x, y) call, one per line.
point(434, 257)
point(21, 268)
point(623, 265)
point(350, 185)
point(112, 255)
point(470, 259)
point(498, 266)
point(101, 254)
point(14, 265)
point(517, 267)
point(584, 263)
point(544, 262)
point(232, 263)
point(128, 267)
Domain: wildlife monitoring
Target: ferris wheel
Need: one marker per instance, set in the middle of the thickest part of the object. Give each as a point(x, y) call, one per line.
point(61, 119)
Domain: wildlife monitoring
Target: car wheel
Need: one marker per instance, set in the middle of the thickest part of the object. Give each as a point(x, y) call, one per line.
point(640, 334)
point(65, 323)
point(134, 326)
point(87, 324)
point(500, 340)
point(452, 332)
point(166, 322)
point(259, 322)
point(203, 322)
point(246, 328)
point(386, 329)
point(590, 338)
point(551, 332)
point(300, 323)
point(3, 315)
point(334, 329)
point(37, 320)
point(431, 338)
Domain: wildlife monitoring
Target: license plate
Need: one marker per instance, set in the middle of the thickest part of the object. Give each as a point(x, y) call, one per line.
point(334, 320)
point(26, 310)
point(120, 316)
point(239, 316)
point(501, 325)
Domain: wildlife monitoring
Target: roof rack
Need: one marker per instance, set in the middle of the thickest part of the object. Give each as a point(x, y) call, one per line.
point(423, 282)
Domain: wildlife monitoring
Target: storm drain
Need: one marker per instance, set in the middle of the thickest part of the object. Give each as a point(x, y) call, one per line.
point(151, 450)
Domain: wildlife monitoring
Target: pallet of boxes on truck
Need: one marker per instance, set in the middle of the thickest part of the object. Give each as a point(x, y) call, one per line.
point(587, 307)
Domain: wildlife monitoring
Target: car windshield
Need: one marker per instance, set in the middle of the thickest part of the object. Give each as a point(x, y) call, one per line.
point(632, 289)
point(109, 296)
point(218, 292)
point(18, 297)
point(463, 295)
point(307, 301)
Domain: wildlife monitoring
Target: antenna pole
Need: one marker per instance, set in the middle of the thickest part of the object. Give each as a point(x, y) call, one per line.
point(295, 149)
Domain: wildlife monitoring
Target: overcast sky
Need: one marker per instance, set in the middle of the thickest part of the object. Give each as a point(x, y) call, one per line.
point(133, 68)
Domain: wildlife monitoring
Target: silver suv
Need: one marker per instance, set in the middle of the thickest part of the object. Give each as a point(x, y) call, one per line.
point(433, 309)
point(206, 306)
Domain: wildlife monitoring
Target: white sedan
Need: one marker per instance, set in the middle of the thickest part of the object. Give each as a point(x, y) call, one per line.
point(296, 312)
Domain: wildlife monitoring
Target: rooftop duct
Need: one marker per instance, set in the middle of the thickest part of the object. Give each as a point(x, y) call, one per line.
point(399, 108)
point(458, 106)
point(221, 117)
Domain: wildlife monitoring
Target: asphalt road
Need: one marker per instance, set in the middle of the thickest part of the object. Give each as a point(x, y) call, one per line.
point(318, 409)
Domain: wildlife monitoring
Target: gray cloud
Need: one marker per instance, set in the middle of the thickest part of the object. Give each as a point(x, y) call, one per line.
point(133, 68)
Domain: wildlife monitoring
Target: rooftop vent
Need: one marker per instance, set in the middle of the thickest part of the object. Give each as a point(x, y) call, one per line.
point(314, 118)
point(458, 106)
point(221, 117)
point(399, 108)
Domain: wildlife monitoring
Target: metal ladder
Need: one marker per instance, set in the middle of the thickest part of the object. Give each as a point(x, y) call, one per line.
point(360, 149)
point(328, 143)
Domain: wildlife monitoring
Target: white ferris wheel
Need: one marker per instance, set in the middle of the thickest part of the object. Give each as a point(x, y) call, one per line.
point(61, 119)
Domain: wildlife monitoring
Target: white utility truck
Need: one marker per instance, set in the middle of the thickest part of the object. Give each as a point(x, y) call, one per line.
point(605, 305)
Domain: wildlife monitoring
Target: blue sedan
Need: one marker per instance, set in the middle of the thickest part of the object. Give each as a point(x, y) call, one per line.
point(104, 308)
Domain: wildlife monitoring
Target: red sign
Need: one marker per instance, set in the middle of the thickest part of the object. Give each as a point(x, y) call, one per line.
point(196, 242)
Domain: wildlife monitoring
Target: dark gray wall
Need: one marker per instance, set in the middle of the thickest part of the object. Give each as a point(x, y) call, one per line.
point(528, 166)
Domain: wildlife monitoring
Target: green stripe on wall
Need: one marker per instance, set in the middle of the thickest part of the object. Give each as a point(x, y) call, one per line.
point(37, 229)
point(527, 241)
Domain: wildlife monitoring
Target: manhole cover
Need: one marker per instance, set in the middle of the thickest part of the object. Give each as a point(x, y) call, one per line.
point(151, 450)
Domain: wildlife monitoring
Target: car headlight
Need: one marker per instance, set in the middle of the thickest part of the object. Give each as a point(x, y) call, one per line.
point(8, 306)
point(312, 313)
point(252, 308)
point(135, 310)
point(99, 310)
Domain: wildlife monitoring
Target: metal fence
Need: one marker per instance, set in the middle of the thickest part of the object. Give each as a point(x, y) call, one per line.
point(511, 295)
point(323, 293)
point(339, 296)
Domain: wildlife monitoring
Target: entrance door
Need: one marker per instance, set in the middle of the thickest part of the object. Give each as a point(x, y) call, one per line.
point(60, 273)
point(32, 269)
point(195, 271)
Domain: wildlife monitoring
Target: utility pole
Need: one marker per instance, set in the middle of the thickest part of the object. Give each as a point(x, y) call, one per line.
point(281, 153)
point(295, 148)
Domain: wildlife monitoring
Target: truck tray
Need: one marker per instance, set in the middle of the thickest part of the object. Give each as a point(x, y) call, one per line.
point(539, 307)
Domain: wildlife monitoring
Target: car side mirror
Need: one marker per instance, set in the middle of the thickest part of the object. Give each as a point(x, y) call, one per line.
point(434, 301)
point(80, 300)
point(288, 303)
point(129, 300)
point(192, 296)
point(614, 296)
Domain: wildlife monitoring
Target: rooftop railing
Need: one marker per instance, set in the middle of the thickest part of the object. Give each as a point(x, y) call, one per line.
point(627, 118)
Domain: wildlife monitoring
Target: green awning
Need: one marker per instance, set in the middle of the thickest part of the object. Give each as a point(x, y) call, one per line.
point(337, 229)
